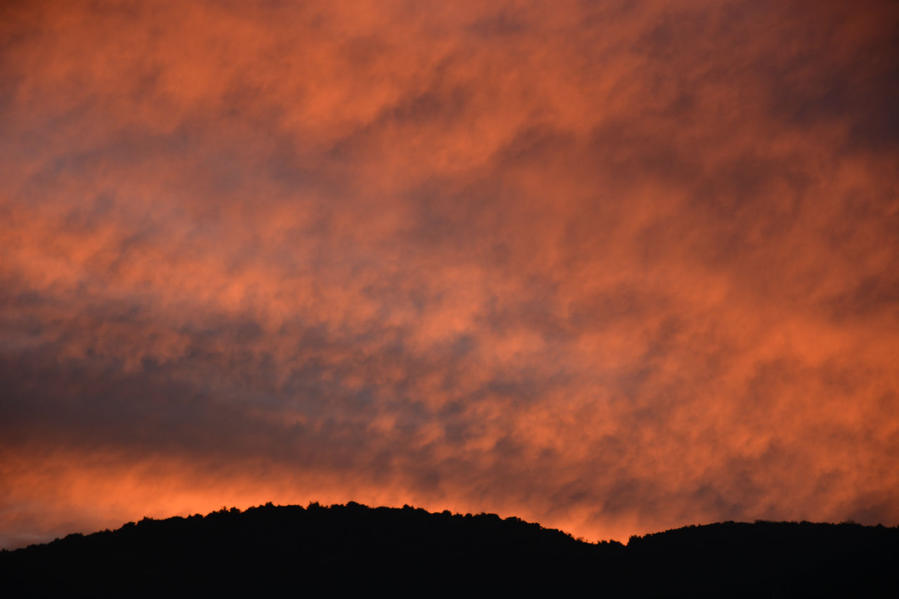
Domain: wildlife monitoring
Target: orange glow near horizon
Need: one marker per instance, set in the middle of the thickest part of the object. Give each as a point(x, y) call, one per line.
point(612, 267)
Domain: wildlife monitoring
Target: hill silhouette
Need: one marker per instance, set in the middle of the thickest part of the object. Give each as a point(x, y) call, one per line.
point(293, 551)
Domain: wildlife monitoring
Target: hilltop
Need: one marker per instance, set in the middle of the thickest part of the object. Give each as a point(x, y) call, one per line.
point(291, 549)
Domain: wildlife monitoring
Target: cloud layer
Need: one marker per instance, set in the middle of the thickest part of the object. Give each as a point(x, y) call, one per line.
point(614, 267)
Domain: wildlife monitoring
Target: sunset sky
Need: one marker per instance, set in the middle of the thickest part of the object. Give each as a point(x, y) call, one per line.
point(610, 266)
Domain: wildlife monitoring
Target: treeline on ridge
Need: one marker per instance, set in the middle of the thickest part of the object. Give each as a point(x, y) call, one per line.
point(291, 549)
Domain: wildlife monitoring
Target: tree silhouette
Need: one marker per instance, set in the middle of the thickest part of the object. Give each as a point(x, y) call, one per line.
point(291, 550)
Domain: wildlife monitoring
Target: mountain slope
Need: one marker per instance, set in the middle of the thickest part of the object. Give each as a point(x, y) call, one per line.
point(292, 550)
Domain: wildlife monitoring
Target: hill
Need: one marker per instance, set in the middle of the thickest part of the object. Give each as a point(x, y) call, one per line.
point(292, 551)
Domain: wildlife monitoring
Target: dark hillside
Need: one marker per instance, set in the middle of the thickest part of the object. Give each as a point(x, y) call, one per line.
point(277, 548)
point(290, 551)
point(770, 559)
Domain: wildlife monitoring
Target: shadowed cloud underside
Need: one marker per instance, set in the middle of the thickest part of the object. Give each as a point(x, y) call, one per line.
point(615, 267)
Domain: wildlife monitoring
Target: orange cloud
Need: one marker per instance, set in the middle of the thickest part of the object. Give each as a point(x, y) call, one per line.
point(613, 267)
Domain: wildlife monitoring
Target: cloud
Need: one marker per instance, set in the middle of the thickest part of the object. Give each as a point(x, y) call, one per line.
point(613, 267)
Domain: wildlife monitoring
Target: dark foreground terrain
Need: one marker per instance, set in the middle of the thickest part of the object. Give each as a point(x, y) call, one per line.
point(293, 551)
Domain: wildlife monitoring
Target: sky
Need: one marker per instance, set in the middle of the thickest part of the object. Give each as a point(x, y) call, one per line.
point(613, 266)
